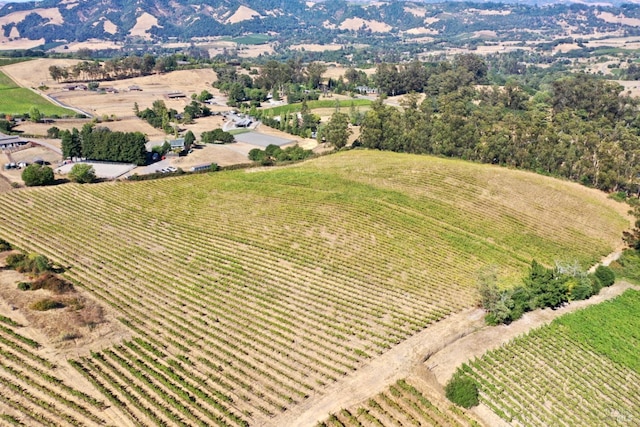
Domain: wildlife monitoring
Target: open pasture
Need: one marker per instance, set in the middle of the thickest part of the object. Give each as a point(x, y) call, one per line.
point(580, 370)
point(18, 100)
point(246, 294)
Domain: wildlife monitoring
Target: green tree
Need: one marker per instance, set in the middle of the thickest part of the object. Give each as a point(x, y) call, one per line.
point(189, 140)
point(35, 175)
point(337, 130)
point(35, 115)
point(71, 143)
point(462, 391)
point(53, 132)
point(314, 73)
point(82, 173)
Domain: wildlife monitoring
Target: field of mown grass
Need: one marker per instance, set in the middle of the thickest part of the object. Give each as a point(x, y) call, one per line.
point(247, 292)
point(582, 369)
point(18, 100)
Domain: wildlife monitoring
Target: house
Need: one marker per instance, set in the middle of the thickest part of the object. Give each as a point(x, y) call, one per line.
point(10, 142)
point(75, 87)
point(177, 144)
point(367, 90)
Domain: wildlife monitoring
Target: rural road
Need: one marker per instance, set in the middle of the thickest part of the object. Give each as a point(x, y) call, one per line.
point(382, 371)
point(441, 348)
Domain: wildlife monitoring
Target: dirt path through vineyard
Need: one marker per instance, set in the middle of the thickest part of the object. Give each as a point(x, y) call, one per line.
point(441, 348)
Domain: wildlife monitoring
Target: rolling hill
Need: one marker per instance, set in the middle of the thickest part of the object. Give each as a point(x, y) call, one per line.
point(229, 298)
point(299, 21)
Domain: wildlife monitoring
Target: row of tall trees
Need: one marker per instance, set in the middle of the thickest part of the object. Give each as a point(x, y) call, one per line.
point(582, 128)
point(115, 68)
point(99, 143)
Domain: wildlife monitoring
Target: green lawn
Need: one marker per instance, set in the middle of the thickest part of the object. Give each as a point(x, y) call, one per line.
point(18, 100)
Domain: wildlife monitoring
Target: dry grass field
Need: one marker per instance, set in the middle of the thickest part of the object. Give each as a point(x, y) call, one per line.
point(243, 295)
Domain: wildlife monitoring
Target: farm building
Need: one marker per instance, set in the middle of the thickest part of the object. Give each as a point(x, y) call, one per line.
point(10, 142)
point(176, 95)
point(243, 123)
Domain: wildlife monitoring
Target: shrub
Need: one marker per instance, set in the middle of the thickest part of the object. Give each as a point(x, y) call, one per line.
point(35, 175)
point(32, 263)
point(46, 304)
point(462, 391)
point(582, 290)
point(53, 283)
point(53, 132)
point(82, 173)
point(24, 286)
point(5, 246)
point(605, 275)
point(15, 261)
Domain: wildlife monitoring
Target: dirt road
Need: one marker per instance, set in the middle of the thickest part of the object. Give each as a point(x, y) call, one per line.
point(441, 347)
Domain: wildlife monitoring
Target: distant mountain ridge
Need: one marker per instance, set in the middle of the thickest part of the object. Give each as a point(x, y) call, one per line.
point(312, 21)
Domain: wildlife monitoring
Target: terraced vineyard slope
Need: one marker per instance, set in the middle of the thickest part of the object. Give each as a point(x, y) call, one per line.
point(245, 293)
point(580, 370)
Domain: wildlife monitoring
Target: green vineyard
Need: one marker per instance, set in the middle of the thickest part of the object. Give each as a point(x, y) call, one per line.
point(568, 373)
point(245, 293)
point(403, 404)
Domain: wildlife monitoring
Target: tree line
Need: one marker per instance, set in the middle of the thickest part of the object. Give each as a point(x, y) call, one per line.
point(99, 143)
point(579, 127)
point(115, 68)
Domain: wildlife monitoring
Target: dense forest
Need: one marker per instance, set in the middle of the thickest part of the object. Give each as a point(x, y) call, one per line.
point(576, 126)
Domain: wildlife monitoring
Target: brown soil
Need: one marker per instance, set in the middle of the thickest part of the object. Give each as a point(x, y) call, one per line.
point(73, 331)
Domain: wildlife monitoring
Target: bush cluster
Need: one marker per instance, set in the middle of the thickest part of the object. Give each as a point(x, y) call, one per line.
point(5, 246)
point(48, 281)
point(46, 304)
point(273, 154)
point(543, 287)
point(462, 391)
point(36, 175)
point(217, 136)
point(32, 263)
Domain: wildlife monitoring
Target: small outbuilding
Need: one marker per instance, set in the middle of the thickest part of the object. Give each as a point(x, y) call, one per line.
point(10, 142)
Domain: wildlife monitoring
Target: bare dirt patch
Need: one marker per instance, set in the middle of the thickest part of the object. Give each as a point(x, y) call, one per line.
point(143, 24)
point(30, 155)
point(358, 23)
point(222, 155)
point(93, 44)
point(242, 14)
point(83, 323)
point(18, 43)
point(618, 19)
point(316, 47)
